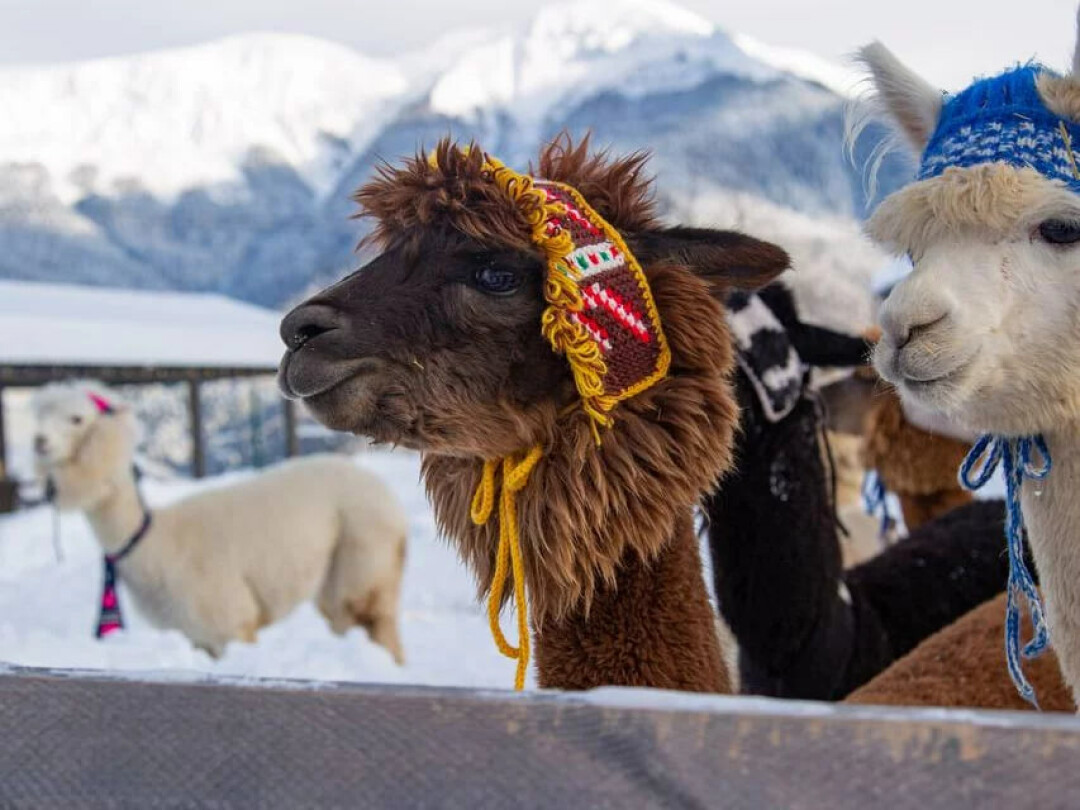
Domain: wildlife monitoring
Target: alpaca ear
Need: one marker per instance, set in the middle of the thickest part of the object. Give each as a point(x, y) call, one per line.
point(1076, 49)
point(912, 103)
point(726, 259)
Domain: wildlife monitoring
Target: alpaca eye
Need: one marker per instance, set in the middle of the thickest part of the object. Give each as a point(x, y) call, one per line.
point(496, 280)
point(1060, 231)
point(76, 420)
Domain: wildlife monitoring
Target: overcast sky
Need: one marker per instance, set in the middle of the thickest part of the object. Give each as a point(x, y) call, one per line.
point(947, 40)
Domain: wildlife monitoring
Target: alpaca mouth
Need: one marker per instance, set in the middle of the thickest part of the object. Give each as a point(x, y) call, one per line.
point(303, 375)
point(938, 381)
point(352, 397)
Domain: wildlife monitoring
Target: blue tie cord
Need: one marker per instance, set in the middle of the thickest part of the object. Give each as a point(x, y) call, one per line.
point(1015, 454)
point(875, 499)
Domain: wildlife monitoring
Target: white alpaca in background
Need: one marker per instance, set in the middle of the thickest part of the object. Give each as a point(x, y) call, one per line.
point(221, 564)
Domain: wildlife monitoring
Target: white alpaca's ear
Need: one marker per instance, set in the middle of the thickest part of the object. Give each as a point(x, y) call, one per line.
point(1076, 48)
point(912, 103)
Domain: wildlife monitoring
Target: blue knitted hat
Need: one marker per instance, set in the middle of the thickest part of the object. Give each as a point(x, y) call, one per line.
point(1004, 120)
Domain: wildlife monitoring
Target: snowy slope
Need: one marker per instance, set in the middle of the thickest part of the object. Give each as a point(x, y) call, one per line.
point(571, 50)
point(185, 117)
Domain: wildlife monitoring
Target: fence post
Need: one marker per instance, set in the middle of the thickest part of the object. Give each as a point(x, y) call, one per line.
point(198, 450)
point(292, 442)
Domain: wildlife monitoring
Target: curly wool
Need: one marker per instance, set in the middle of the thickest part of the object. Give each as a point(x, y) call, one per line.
point(909, 460)
point(587, 506)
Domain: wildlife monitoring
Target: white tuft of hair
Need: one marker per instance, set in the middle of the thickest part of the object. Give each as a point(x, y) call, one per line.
point(895, 93)
point(1076, 49)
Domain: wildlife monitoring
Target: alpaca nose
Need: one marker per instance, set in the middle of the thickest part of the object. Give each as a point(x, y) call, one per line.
point(41, 444)
point(903, 338)
point(307, 322)
point(902, 319)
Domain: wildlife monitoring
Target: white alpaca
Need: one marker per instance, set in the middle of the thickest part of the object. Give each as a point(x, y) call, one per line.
point(221, 564)
point(987, 327)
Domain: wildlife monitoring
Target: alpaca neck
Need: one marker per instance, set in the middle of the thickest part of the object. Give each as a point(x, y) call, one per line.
point(117, 516)
point(653, 627)
point(1052, 514)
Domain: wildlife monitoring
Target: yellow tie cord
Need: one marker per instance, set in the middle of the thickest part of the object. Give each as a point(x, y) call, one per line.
point(508, 556)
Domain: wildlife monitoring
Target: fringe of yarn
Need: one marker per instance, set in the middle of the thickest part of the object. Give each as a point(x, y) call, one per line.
point(1015, 456)
point(508, 558)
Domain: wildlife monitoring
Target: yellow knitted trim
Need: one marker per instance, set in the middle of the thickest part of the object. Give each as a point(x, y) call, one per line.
point(663, 363)
point(508, 556)
point(563, 296)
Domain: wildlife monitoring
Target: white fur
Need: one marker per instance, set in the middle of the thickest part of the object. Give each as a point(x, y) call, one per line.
point(1076, 49)
point(987, 330)
point(913, 103)
point(223, 563)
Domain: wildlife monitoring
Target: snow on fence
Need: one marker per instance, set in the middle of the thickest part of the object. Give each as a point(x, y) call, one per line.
point(51, 332)
point(94, 741)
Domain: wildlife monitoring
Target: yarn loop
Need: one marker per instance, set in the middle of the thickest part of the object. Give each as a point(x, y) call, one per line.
point(508, 557)
point(876, 501)
point(1017, 458)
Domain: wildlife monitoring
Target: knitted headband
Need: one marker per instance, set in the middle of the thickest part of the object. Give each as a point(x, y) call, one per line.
point(601, 314)
point(1003, 120)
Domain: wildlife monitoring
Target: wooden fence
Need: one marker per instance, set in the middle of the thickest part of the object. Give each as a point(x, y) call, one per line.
point(78, 740)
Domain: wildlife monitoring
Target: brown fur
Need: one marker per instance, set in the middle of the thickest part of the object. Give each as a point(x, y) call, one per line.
point(613, 575)
point(964, 666)
point(586, 507)
point(920, 467)
point(920, 509)
point(455, 193)
point(655, 627)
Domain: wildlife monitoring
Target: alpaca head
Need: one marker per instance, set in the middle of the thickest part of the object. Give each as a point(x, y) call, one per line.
point(987, 326)
point(436, 344)
point(84, 441)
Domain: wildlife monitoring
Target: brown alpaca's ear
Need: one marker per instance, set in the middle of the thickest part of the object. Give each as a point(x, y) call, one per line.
point(726, 259)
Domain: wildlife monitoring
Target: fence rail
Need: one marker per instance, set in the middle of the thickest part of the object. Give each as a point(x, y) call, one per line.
point(85, 740)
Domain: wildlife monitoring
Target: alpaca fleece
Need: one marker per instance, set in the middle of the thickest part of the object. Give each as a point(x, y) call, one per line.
point(918, 466)
point(590, 509)
point(985, 329)
point(616, 643)
point(963, 666)
point(807, 629)
point(221, 564)
point(613, 575)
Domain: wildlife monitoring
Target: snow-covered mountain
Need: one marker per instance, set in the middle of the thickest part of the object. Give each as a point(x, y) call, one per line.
point(229, 166)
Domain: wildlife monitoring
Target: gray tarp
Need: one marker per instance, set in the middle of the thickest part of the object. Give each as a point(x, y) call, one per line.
point(79, 740)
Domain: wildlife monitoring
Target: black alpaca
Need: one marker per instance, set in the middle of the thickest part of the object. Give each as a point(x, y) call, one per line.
point(805, 628)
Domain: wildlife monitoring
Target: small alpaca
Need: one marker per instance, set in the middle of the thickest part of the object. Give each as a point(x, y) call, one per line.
point(985, 328)
point(222, 564)
point(805, 627)
point(444, 343)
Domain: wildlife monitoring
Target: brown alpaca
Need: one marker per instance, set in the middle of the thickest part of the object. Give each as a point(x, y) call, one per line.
point(436, 345)
point(917, 465)
point(963, 666)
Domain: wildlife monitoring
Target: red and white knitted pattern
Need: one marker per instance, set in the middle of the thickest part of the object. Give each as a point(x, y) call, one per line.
point(618, 311)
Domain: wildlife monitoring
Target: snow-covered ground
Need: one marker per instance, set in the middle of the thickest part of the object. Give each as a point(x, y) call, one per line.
point(48, 609)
